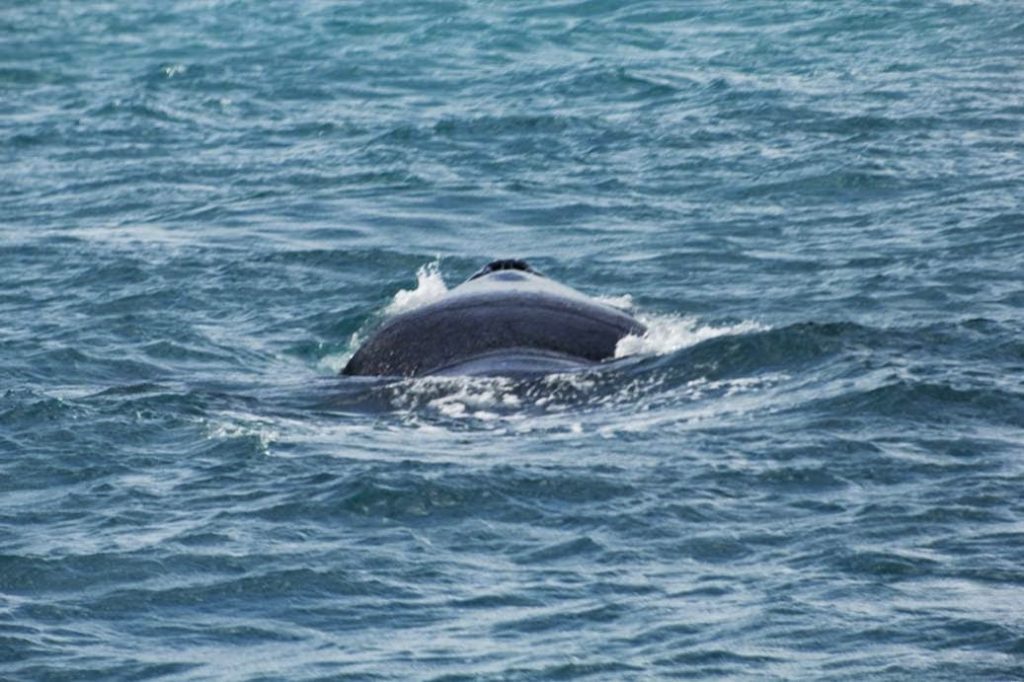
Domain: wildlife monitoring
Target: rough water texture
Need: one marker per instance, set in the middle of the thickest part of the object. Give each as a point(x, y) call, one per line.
point(813, 470)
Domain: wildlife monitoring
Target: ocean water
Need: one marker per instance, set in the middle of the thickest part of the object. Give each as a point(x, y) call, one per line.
point(811, 468)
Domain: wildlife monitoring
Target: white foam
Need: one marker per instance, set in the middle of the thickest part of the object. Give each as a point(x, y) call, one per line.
point(482, 398)
point(669, 333)
point(232, 425)
point(430, 287)
point(335, 362)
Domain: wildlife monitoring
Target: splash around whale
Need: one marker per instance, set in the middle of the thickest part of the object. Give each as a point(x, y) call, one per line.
point(505, 320)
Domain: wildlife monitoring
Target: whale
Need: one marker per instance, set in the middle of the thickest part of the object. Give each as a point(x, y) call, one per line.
point(507, 319)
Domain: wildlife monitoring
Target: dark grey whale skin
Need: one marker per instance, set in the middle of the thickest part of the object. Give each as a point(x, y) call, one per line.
point(507, 320)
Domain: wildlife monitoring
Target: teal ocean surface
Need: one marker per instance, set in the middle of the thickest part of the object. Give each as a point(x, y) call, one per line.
point(812, 467)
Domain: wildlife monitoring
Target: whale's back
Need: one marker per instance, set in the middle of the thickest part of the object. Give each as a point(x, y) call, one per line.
point(512, 324)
